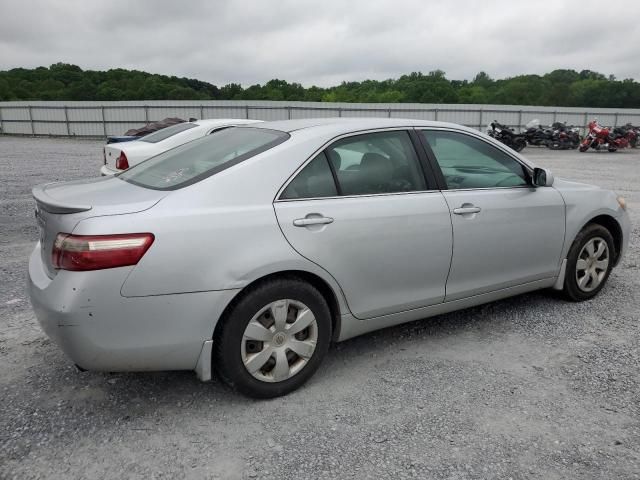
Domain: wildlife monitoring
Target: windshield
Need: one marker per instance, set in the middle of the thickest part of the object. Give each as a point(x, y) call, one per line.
point(194, 161)
point(167, 132)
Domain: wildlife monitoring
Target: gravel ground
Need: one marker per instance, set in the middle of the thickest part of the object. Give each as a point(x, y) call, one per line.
point(530, 387)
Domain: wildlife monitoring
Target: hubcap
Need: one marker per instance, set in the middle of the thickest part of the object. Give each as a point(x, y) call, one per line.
point(279, 340)
point(592, 264)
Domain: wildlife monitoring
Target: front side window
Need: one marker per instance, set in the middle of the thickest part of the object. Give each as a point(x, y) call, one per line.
point(374, 163)
point(167, 132)
point(206, 156)
point(468, 162)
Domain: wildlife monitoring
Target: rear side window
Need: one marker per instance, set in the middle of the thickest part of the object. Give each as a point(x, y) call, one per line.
point(374, 163)
point(314, 181)
point(367, 164)
point(194, 161)
point(167, 132)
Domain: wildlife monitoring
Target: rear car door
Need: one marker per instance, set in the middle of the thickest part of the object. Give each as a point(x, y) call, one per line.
point(506, 232)
point(364, 211)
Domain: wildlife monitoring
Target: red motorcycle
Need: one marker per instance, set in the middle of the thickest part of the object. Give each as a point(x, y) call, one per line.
point(629, 132)
point(600, 137)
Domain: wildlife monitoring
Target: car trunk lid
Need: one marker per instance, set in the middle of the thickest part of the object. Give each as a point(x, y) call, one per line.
point(111, 154)
point(135, 151)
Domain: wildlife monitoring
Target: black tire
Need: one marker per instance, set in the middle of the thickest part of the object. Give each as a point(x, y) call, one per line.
point(612, 149)
point(519, 144)
point(584, 148)
point(571, 290)
point(227, 356)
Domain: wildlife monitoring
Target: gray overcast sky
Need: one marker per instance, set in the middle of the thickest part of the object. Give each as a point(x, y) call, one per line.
point(322, 42)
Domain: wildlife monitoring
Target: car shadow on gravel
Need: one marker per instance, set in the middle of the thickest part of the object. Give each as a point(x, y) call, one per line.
point(181, 388)
point(492, 319)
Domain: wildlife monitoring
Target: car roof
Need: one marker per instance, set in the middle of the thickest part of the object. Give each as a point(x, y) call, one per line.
point(215, 122)
point(351, 124)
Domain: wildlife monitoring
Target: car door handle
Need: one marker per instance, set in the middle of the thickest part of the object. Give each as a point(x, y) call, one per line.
point(463, 210)
point(305, 222)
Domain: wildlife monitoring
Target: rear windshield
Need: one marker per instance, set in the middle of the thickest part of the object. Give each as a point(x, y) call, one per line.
point(167, 132)
point(193, 161)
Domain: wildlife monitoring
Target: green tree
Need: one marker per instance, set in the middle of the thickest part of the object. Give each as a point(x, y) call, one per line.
point(561, 87)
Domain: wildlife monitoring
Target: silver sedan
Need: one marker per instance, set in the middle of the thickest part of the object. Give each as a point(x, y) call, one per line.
point(249, 251)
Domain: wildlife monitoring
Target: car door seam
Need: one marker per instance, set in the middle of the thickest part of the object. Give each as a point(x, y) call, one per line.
point(453, 244)
point(275, 212)
point(564, 241)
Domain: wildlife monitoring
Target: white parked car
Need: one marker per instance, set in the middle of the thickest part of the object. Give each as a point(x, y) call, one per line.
point(120, 156)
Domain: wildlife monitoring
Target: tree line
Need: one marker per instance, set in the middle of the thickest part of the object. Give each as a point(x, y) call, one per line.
point(62, 81)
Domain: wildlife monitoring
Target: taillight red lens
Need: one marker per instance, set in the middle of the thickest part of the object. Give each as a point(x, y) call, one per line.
point(121, 162)
point(97, 252)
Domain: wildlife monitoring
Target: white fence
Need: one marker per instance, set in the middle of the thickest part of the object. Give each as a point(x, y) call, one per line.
point(99, 119)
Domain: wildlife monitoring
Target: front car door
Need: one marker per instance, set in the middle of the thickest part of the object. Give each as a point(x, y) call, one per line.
point(364, 211)
point(506, 232)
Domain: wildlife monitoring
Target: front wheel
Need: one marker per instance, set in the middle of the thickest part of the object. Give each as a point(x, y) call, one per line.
point(273, 339)
point(589, 263)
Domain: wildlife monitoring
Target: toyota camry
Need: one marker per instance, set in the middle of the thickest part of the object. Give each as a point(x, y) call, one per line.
point(247, 252)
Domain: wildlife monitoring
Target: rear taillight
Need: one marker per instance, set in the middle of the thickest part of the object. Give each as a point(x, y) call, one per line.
point(97, 252)
point(121, 162)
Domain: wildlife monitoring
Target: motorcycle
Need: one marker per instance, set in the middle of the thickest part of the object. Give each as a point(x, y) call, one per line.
point(506, 135)
point(600, 137)
point(629, 132)
point(635, 130)
point(564, 137)
point(536, 135)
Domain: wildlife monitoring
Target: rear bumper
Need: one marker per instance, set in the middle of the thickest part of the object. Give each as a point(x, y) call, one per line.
point(99, 329)
point(105, 170)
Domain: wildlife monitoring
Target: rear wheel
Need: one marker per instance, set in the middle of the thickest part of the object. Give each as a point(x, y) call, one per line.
point(273, 339)
point(519, 144)
point(612, 149)
point(589, 263)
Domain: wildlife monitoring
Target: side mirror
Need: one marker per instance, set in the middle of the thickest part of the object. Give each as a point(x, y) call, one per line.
point(542, 177)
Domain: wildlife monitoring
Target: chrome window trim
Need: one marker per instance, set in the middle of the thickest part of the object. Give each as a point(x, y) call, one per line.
point(335, 139)
point(516, 187)
point(413, 192)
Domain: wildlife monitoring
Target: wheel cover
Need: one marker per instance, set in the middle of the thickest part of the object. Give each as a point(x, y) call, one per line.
point(279, 340)
point(592, 264)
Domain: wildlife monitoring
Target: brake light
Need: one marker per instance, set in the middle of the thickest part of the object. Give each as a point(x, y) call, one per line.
point(121, 162)
point(97, 252)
